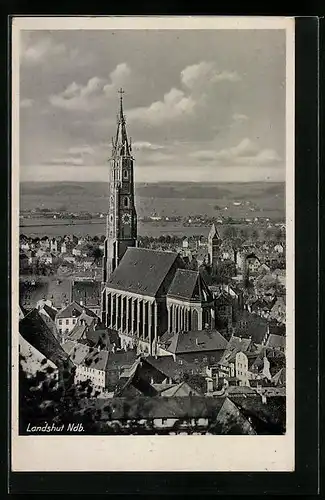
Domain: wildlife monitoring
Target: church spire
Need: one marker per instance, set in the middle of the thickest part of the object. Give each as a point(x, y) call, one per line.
point(121, 144)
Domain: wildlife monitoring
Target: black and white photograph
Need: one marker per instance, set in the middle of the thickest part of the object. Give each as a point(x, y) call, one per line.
point(152, 223)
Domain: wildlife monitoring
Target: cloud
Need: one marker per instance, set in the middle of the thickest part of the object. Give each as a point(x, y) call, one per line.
point(92, 95)
point(175, 105)
point(66, 161)
point(146, 146)
point(40, 50)
point(119, 76)
point(179, 104)
point(26, 103)
point(245, 153)
point(199, 75)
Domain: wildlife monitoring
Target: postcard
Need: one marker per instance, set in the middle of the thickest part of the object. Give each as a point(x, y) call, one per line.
point(152, 243)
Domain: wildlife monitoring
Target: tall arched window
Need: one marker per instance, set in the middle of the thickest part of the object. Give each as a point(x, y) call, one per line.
point(195, 320)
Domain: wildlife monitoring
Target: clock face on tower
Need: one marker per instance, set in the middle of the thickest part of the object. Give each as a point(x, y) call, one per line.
point(126, 219)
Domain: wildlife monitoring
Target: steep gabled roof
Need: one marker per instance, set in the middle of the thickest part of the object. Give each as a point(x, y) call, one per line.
point(197, 341)
point(97, 360)
point(190, 286)
point(76, 351)
point(239, 343)
point(34, 329)
point(170, 368)
point(143, 271)
point(77, 332)
point(213, 234)
point(180, 390)
point(50, 311)
point(276, 341)
point(75, 310)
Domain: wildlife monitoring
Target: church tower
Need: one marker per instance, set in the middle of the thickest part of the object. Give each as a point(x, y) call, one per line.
point(121, 224)
point(214, 243)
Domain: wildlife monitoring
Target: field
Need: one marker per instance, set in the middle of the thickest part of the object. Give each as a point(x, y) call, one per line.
point(182, 198)
point(251, 200)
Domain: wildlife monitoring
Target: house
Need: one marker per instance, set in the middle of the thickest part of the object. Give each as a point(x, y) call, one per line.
point(45, 243)
point(279, 248)
point(277, 342)
point(70, 259)
point(165, 372)
point(192, 414)
point(252, 326)
point(66, 319)
point(67, 247)
point(77, 251)
point(40, 252)
point(81, 250)
point(47, 258)
point(261, 307)
point(202, 347)
point(55, 245)
point(87, 262)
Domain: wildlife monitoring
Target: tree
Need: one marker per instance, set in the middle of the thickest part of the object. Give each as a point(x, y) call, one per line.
point(42, 399)
point(230, 232)
point(97, 255)
point(225, 271)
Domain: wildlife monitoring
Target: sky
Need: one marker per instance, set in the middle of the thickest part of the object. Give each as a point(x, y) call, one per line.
point(201, 105)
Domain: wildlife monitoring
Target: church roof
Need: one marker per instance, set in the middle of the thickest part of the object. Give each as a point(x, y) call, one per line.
point(189, 285)
point(142, 271)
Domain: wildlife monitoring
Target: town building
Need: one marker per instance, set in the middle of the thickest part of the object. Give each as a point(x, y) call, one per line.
point(69, 316)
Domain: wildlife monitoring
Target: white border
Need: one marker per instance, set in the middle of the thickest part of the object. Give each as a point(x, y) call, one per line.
point(155, 453)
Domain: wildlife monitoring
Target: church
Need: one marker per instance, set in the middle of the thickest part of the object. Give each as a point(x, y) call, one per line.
point(146, 293)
